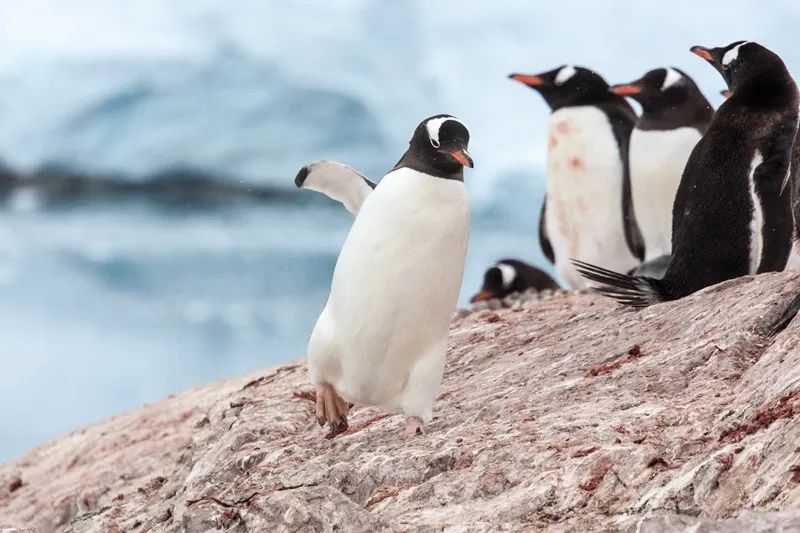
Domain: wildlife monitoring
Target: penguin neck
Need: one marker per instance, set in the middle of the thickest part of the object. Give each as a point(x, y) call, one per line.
point(414, 162)
point(590, 99)
point(689, 113)
point(770, 87)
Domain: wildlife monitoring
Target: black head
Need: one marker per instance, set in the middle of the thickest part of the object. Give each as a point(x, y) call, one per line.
point(567, 86)
point(439, 147)
point(661, 89)
point(746, 63)
point(498, 282)
point(510, 275)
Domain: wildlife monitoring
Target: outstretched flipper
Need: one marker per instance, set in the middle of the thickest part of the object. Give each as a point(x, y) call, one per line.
point(634, 291)
point(336, 181)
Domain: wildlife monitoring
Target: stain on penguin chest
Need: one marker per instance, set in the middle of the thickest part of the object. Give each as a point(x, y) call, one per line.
point(584, 183)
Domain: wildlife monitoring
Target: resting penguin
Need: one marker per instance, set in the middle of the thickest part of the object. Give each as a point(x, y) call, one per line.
point(587, 213)
point(730, 217)
point(510, 275)
point(675, 114)
point(382, 336)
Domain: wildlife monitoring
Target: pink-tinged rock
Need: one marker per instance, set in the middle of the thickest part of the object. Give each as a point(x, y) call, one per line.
point(563, 413)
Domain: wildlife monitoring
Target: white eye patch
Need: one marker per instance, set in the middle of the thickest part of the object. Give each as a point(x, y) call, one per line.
point(435, 124)
point(731, 55)
point(672, 78)
point(565, 74)
point(508, 273)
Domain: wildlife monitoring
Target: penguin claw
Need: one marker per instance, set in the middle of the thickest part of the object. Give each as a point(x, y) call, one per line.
point(413, 427)
point(331, 409)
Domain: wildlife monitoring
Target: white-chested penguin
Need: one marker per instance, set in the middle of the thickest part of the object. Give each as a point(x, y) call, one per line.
point(587, 212)
point(382, 336)
point(675, 115)
point(508, 276)
point(730, 217)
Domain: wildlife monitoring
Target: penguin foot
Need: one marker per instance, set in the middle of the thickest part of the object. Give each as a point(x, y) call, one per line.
point(331, 408)
point(413, 426)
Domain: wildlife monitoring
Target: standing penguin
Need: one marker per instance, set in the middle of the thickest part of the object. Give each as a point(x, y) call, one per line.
point(382, 336)
point(675, 115)
point(730, 217)
point(587, 213)
point(511, 275)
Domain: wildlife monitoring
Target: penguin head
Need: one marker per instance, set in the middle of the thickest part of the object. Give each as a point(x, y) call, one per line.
point(439, 147)
point(567, 85)
point(658, 89)
point(741, 62)
point(499, 281)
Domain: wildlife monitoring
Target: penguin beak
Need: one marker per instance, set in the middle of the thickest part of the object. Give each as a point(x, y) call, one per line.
point(626, 89)
point(726, 93)
point(528, 79)
point(482, 296)
point(462, 156)
point(703, 52)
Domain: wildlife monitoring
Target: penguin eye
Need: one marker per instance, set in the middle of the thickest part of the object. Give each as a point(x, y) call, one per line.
point(435, 143)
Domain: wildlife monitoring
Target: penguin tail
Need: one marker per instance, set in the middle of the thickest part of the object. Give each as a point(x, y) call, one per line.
point(787, 316)
point(633, 291)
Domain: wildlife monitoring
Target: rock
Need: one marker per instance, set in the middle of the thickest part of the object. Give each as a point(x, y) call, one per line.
point(572, 414)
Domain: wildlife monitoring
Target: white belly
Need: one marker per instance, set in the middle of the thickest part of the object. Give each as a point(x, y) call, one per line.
point(657, 160)
point(584, 194)
point(382, 336)
point(757, 218)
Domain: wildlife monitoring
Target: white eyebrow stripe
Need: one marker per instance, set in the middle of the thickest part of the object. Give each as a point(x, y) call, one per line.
point(435, 124)
point(508, 273)
point(565, 74)
point(672, 77)
point(731, 55)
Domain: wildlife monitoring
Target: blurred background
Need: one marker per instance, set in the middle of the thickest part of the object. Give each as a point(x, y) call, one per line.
point(151, 238)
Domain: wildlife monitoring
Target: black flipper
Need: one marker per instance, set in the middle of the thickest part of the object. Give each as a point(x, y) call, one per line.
point(786, 317)
point(544, 240)
point(634, 291)
point(633, 236)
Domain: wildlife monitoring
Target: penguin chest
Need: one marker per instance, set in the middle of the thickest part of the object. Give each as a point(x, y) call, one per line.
point(756, 225)
point(657, 159)
point(584, 192)
point(396, 285)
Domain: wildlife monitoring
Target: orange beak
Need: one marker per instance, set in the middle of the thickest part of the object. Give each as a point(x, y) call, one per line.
point(482, 296)
point(527, 79)
point(702, 52)
point(626, 89)
point(462, 156)
point(726, 93)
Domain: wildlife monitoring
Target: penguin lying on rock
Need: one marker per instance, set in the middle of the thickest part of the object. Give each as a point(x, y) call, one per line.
point(382, 336)
point(730, 217)
point(508, 276)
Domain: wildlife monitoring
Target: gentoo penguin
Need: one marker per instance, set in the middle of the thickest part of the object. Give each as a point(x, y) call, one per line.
point(730, 218)
point(336, 181)
point(587, 212)
point(382, 336)
point(510, 275)
point(675, 114)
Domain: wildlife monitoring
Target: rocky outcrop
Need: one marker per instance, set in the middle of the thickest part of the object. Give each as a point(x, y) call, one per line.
point(565, 414)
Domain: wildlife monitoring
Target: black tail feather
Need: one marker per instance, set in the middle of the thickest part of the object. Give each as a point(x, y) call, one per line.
point(634, 291)
point(786, 317)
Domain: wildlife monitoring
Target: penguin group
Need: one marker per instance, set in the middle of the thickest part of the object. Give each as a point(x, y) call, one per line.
point(642, 208)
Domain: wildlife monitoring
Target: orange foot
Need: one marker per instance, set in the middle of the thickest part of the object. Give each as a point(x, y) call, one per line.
point(331, 408)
